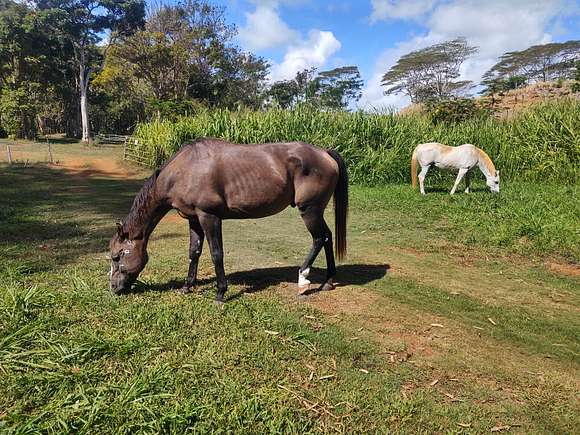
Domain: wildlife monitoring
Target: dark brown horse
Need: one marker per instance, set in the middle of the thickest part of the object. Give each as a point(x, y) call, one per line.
point(211, 180)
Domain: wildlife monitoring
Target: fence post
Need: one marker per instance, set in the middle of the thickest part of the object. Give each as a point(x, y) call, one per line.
point(50, 153)
point(9, 154)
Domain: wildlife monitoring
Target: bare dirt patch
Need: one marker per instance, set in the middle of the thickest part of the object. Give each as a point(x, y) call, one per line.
point(97, 167)
point(572, 270)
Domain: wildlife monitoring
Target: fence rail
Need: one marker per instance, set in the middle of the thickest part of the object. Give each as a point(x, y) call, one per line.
point(110, 140)
point(131, 153)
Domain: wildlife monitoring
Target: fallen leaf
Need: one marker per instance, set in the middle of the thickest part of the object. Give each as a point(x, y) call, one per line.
point(464, 424)
point(271, 332)
point(432, 384)
point(366, 372)
point(500, 428)
point(491, 321)
point(437, 325)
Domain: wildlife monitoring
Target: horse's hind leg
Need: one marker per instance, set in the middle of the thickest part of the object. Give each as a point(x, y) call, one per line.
point(422, 175)
point(195, 246)
point(321, 237)
point(467, 182)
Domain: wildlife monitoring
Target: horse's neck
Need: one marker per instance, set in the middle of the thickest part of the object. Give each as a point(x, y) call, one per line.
point(481, 162)
point(142, 220)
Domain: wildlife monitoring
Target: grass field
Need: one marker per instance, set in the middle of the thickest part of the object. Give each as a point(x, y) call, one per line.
point(453, 314)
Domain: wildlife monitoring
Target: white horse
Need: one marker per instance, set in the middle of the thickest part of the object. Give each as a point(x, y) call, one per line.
point(462, 159)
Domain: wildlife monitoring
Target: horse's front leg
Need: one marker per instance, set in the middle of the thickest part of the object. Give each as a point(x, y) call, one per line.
point(212, 227)
point(195, 247)
point(460, 176)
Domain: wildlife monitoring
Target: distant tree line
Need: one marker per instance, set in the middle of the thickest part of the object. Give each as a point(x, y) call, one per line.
point(431, 74)
point(86, 66)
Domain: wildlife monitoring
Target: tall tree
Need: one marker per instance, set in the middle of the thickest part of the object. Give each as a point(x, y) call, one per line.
point(185, 52)
point(430, 73)
point(87, 23)
point(537, 63)
point(334, 89)
point(338, 87)
point(33, 68)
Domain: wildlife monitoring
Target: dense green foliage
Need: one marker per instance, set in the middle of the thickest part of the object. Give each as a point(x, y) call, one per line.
point(540, 144)
point(454, 110)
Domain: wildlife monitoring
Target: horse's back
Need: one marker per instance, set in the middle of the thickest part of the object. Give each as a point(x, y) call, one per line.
point(444, 156)
point(239, 180)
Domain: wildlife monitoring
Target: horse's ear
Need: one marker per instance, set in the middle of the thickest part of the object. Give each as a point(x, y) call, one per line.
point(120, 231)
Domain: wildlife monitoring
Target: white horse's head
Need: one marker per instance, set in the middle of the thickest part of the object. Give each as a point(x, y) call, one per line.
point(493, 182)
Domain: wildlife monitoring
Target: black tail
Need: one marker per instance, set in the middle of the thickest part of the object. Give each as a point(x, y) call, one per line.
point(340, 205)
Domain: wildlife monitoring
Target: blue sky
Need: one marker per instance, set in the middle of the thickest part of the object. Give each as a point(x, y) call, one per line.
point(373, 34)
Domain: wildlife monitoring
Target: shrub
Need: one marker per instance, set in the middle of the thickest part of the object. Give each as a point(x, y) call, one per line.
point(454, 111)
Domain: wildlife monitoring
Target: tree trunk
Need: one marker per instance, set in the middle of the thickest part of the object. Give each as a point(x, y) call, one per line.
point(84, 85)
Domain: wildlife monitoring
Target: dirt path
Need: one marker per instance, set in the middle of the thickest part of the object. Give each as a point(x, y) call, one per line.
point(98, 167)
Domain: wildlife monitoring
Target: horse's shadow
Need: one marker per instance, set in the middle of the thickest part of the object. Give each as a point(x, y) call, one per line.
point(256, 280)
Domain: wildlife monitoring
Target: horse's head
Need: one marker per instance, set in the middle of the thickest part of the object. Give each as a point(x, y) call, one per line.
point(128, 259)
point(493, 182)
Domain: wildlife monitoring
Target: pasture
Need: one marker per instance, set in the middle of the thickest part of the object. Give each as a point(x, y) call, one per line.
point(452, 314)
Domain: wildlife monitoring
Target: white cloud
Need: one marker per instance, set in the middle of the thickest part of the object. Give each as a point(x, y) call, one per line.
point(313, 52)
point(400, 9)
point(495, 26)
point(265, 29)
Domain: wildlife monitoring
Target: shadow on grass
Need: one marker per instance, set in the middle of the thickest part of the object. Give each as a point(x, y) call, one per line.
point(256, 280)
point(59, 214)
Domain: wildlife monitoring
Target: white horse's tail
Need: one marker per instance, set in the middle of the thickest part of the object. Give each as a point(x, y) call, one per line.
point(414, 169)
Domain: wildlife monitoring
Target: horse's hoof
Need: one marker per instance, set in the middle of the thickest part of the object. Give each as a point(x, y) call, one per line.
point(327, 286)
point(184, 290)
point(218, 303)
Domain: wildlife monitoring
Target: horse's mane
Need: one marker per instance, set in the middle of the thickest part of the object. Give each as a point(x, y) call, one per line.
point(487, 161)
point(141, 208)
point(144, 201)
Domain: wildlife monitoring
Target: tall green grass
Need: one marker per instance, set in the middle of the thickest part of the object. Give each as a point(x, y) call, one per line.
point(540, 144)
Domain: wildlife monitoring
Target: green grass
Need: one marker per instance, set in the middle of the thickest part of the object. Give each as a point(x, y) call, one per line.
point(75, 358)
point(541, 144)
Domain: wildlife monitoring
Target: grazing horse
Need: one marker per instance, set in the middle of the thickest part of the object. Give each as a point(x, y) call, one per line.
point(462, 159)
point(211, 180)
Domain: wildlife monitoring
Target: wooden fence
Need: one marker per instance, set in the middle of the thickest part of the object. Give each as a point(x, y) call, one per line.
point(27, 153)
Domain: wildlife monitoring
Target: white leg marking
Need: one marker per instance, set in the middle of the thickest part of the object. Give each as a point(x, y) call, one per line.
point(303, 283)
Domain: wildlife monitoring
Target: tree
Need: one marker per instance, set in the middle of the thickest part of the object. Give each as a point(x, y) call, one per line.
point(430, 73)
point(33, 70)
point(537, 63)
point(333, 89)
point(338, 87)
point(284, 93)
point(84, 23)
point(185, 52)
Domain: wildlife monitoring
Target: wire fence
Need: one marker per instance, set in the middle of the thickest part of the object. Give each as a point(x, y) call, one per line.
point(26, 153)
point(134, 154)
